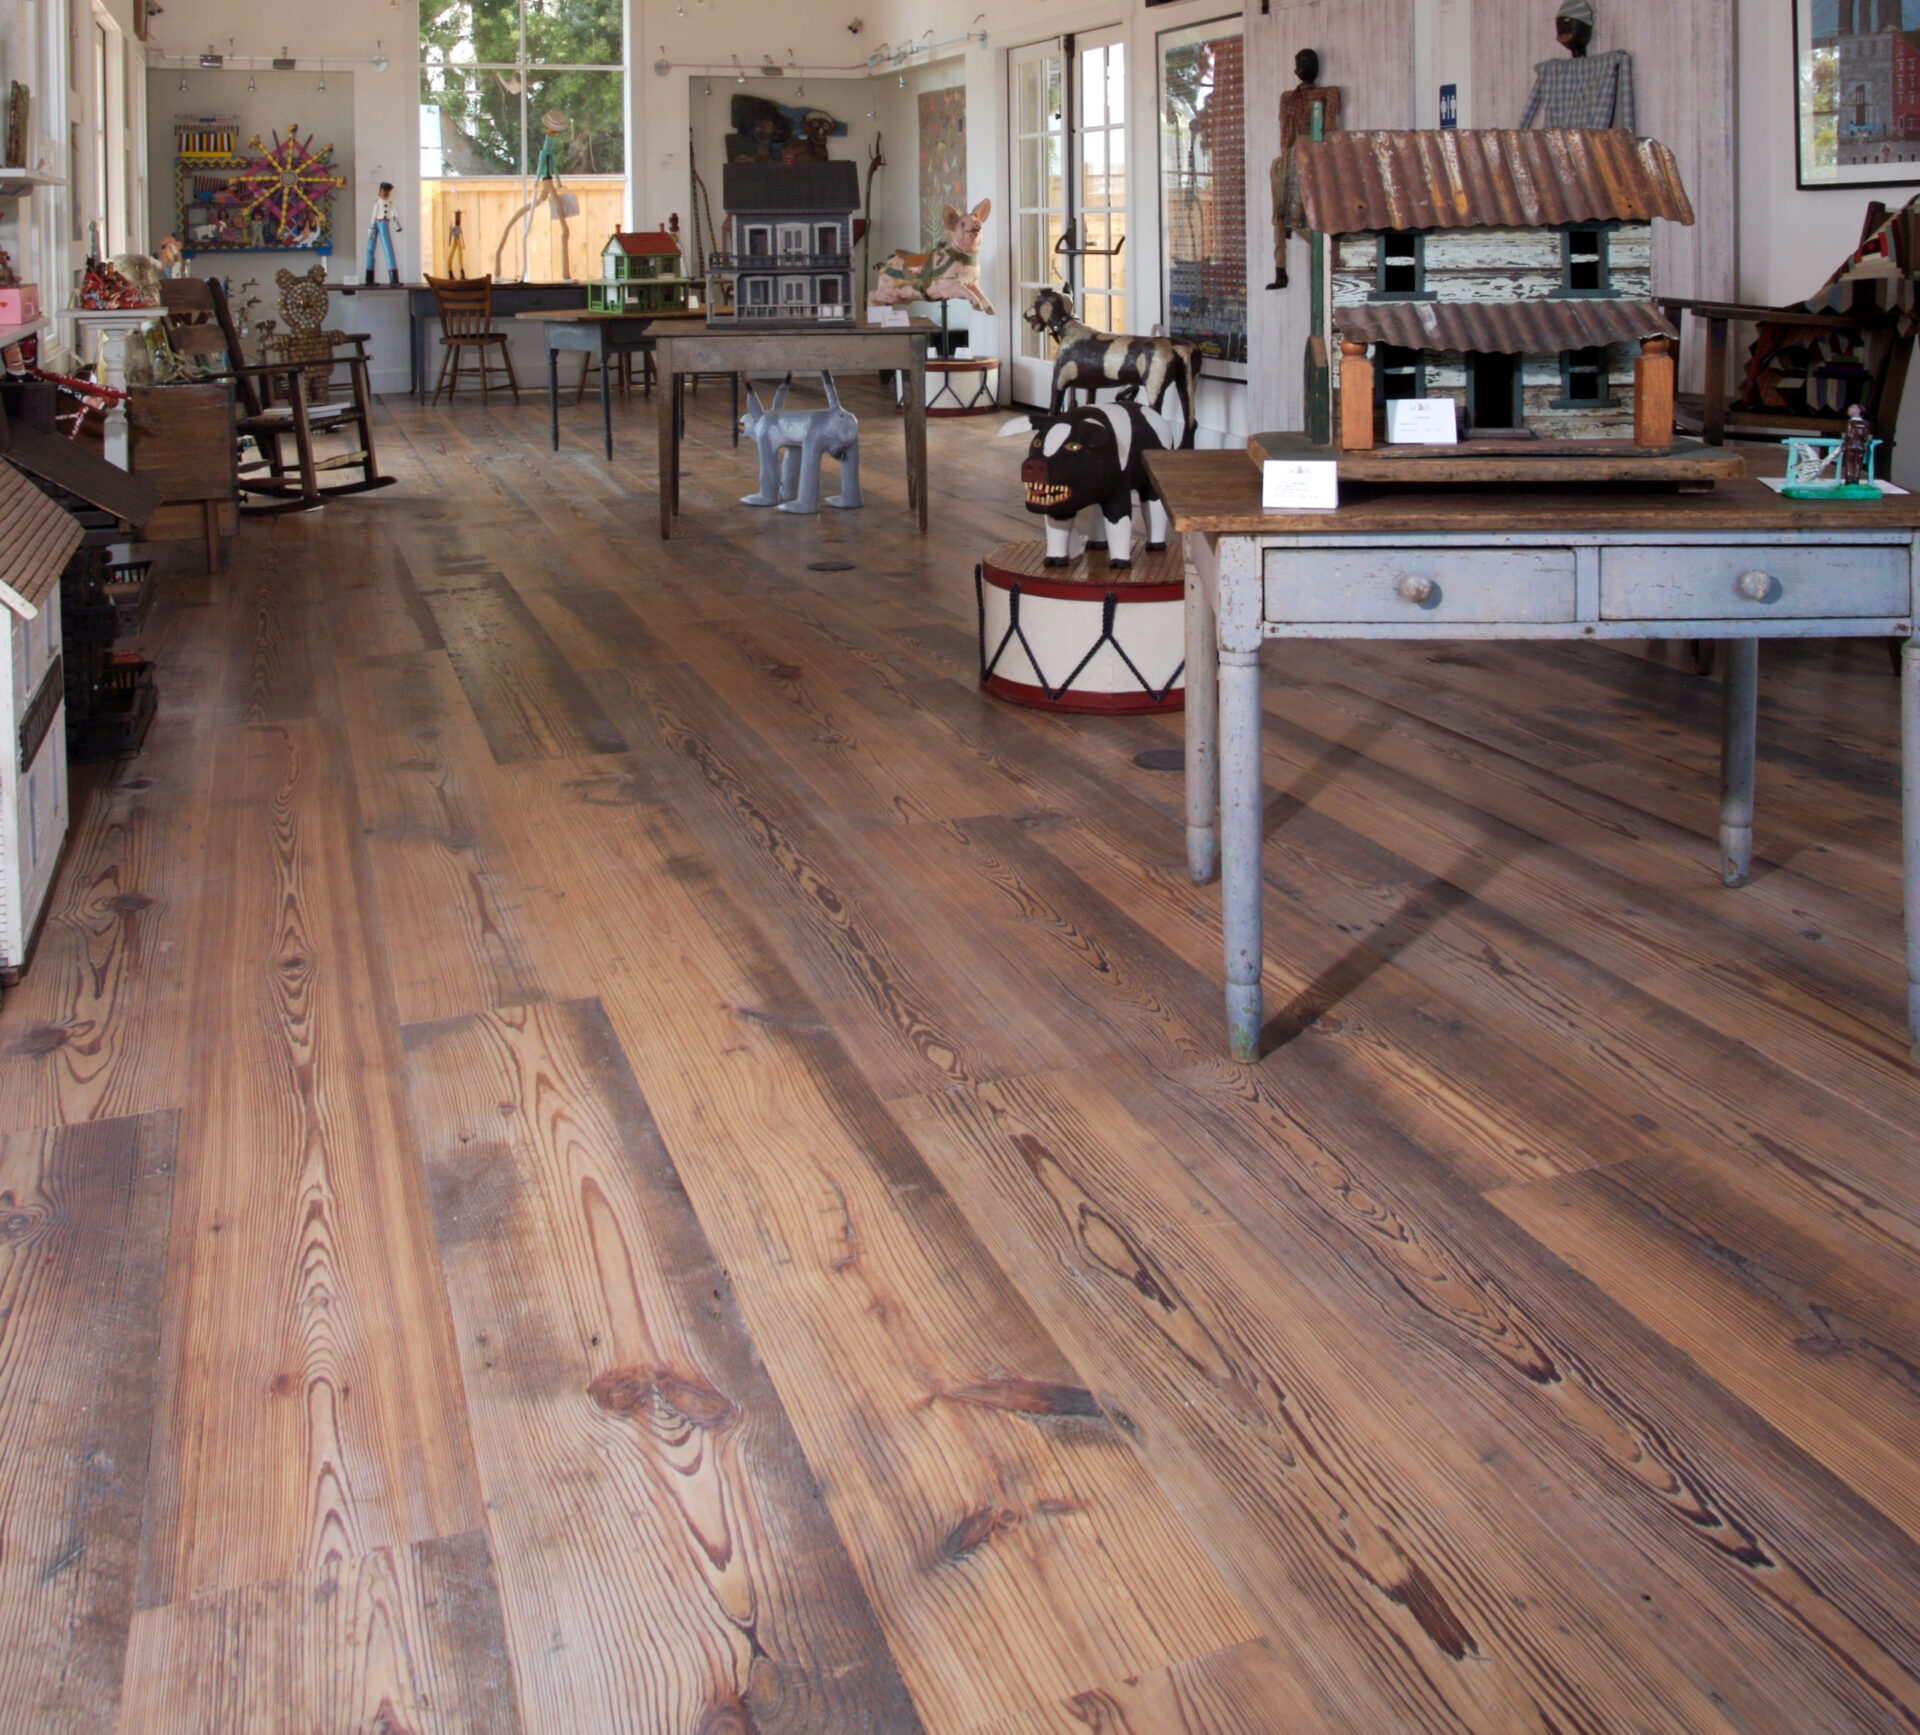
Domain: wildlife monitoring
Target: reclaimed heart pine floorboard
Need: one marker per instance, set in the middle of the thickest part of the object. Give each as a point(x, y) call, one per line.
point(597, 1141)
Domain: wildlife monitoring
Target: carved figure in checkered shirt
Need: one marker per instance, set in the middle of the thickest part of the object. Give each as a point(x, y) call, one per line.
point(1584, 90)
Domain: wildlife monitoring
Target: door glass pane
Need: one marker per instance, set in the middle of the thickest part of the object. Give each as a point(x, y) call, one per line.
point(1203, 186)
point(1093, 170)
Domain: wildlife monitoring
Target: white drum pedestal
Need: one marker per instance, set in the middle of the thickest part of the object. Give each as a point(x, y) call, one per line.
point(1083, 637)
point(961, 385)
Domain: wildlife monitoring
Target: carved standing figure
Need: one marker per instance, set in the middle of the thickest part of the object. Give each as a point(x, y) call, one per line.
point(547, 186)
point(1583, 90)
point(1296, 123)
point(1855, 443)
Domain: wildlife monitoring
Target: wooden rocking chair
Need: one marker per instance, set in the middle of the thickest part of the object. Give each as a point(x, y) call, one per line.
point(197, 309)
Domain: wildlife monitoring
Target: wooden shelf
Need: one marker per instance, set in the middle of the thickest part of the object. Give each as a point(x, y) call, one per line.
point(12, 334)
point(16, 181)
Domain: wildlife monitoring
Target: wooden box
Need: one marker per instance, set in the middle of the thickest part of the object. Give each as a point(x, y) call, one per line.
point(183, 444)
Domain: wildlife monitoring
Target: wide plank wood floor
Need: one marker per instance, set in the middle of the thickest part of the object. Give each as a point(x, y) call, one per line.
point(597, 1141)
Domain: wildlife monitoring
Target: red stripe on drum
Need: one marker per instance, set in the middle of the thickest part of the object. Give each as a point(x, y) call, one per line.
point(1068, 590)
point(1095, 704)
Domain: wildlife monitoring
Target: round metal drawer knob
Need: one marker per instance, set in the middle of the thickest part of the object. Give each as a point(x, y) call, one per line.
point(1416, 590)
point(1754, 586)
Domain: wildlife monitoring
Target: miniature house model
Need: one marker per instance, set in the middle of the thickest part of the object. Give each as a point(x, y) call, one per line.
point(1508, 271)
point(791, 246)
point(639, 273)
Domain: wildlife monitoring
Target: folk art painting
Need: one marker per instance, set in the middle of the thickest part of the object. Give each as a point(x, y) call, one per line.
point(1857, 92)
point(943, 158)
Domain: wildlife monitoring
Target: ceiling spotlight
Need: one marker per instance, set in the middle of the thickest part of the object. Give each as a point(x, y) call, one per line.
point(211, 61)
point(739, 71)
point(680, 11)
point(322, 85)
point(250, 84)
point(663, 65)
point(708, 88)
point(901, 80)
point(800, 89)
point(183, 75)
point(379, 62)
point(769, 68)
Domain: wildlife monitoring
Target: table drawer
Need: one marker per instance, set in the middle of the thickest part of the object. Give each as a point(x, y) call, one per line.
point(1419, 586)
point(1837, 580)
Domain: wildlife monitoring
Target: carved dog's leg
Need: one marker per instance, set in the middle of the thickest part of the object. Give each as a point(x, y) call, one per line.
point(1119, 530)
point(762, 426)
point(1064, 542)
point(1156, 526)
point(1094, 527)
point(848, 499)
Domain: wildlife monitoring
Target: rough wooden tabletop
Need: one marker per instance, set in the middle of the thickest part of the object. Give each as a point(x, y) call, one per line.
point(1218, 492)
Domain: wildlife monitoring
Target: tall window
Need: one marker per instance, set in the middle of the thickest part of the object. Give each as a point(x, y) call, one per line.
point(1101, 85)
point(1203, 186)
point(1040, 204)
point(491, 72)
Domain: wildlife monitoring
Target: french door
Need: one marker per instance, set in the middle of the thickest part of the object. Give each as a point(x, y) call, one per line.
point(1068, 114)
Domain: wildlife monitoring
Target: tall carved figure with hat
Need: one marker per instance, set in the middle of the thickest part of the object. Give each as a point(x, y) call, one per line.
point(547, 186)
point(1584, 90)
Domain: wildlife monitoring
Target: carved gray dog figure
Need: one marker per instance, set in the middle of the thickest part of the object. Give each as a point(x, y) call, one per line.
point(791, 445)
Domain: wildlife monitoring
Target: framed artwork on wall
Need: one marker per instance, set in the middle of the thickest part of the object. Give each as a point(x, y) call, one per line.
point(1856, 92)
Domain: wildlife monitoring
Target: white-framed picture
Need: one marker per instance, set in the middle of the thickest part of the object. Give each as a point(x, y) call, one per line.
point(1856, 76)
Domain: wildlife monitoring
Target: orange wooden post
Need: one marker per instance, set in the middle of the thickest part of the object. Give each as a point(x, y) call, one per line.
point(1653, 394)
point(1356, 397)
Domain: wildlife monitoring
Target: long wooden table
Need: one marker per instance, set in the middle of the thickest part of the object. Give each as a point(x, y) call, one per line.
point(1739, 564)
point(602, 336)
point(749, 349)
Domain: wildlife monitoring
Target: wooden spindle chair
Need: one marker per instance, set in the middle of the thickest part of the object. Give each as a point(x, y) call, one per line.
point(466, 327)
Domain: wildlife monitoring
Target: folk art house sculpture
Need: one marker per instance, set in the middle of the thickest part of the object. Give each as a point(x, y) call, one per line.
point(1509, 271)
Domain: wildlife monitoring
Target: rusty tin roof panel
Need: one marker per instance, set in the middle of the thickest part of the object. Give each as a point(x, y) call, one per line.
point(35, 536)
point(1503, 327)
point(1493, 179)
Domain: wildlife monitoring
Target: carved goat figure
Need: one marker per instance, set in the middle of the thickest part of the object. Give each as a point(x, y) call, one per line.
point(791, 445)
point(1087, 360)
point(951, 272)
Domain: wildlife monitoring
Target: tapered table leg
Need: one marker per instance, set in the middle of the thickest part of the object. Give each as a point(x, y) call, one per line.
point(1736, 760)
point(553, 395)
point(1203, 733)
point(1910, 827)
point(1240, 846)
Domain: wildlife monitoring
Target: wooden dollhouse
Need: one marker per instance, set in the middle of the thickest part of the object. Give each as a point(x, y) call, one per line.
point(640, 272)
point(791, 250)
point(1507, 271)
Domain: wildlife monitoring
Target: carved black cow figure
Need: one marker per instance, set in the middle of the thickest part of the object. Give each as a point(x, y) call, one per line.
point(1093, 459)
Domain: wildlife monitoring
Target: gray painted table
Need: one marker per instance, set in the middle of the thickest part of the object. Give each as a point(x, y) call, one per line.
point(751, 349)
point(602, 336)
point(1739, 564)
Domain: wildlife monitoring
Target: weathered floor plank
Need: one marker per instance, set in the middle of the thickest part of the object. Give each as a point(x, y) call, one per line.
point(400, 1640)
point(644, 1489)
point(83, 1250)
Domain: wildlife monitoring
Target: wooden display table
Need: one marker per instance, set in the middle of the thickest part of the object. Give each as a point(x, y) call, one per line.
point(602, 336)
point(1739, 564)
point(1082, 637)
point(751, 349)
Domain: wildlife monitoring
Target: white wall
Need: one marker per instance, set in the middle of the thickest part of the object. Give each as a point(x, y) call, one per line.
point(1791, 241)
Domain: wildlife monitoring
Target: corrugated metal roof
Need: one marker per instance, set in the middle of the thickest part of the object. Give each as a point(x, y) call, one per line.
point(1493, 179)
point(759, 189)
point(35, 536)
point(1503, 327)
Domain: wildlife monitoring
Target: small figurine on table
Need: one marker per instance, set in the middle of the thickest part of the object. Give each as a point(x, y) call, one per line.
point(456, 249)
point(380, 228)
point(1296, 123)
point(9, 278)
point(1583, 90)
point(1855, 443)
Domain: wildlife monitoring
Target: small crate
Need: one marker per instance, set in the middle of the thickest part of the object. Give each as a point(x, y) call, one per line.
point(123, 708)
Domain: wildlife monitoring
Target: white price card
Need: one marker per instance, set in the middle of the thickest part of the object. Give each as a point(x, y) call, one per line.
point(1299, 485)
point(1421, 422)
